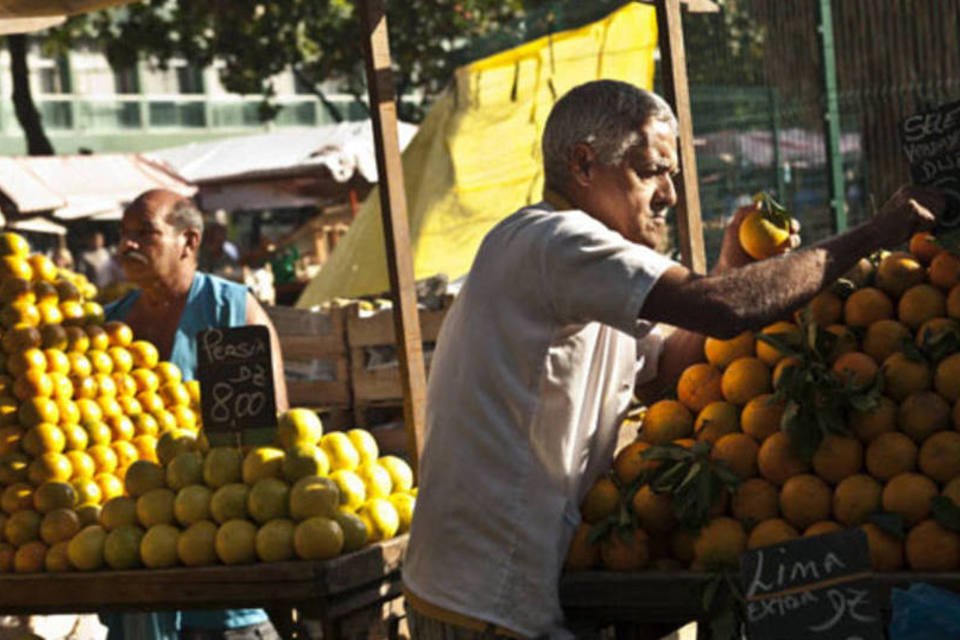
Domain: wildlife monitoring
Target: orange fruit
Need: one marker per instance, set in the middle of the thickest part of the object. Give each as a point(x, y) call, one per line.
point(699, 385)
point(856, 369)
point(890, 454)
point(946, 378)
point(625, 550)
point(781, 368)
point(923, 413)
point(909, 494)
point(168, 372)
point(27, 360)
point(763, 236)
point(771, 532)
point(666, 421)
point(147, 381)
point(903, 376)
point(837, 457)
point(80, 365)
point(939, 456)
point(628, 465)
point(745, 379)
point(602, 500)
point(855, 498)
point(144, 354)
point(805, 499)
point(777, 461)
point(715, 420)
point(944, 270)
point(953, 302)
point(825, 309)
point(654, 511)
point(49, 467)
point(122, 359)
point(821, 528)
point(935, 330)
point(865, 306)
point(16, 290)
point(100, 361)
point(739, 452)
point(884, 338)
point(924, 247)
point(21, 338)
point(886, 551)
point(720, 543)
point(761, 416)
point(921, 303)
point(846, 340)
point(29, 558)
point(785, 332)
point(898, 272)
point(582, 554)
point(931, 547)
point(120, 333)
point(867, 425)
point(720, 353)
point(755, 500)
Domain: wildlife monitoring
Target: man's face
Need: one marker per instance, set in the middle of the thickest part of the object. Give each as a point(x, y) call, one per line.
point(633, 197)
point(150, 247)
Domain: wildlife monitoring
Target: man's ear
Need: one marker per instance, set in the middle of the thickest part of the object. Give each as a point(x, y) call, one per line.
point(192, 237)
point(582, 160)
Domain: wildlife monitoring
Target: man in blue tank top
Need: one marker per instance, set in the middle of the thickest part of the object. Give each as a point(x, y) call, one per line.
point(159, 238)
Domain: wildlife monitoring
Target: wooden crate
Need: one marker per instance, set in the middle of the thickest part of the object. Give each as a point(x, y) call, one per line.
point(315, 356)
point(367, 332)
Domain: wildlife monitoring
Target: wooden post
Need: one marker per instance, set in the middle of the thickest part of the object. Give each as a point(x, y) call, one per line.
point(673, 62)
point(393, 207)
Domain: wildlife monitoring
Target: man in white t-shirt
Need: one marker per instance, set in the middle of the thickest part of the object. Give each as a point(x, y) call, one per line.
point(539, 355)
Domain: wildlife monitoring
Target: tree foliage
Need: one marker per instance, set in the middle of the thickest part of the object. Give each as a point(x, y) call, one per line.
point(320, 40)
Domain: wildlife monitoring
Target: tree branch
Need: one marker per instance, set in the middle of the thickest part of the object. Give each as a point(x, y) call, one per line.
point(331, 108)
point(37, 142)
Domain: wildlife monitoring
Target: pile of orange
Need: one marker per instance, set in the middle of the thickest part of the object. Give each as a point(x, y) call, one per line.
point(898, 331)
point(103, 462)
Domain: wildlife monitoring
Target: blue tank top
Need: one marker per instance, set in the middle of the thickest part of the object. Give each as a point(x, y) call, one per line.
point(212, 302)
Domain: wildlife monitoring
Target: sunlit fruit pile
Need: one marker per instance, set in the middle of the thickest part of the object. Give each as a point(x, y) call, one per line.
point(846, 416)
point(103, 462)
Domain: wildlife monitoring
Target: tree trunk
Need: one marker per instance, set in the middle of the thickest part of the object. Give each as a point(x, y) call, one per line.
point(37, 142)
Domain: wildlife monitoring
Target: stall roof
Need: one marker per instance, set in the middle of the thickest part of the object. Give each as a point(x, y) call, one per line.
point(74, 187)
point(344, 149)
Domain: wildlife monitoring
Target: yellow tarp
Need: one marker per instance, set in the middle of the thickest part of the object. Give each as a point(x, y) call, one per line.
point(476, 158)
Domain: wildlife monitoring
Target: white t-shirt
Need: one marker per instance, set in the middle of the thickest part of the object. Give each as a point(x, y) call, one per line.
point(534, 367)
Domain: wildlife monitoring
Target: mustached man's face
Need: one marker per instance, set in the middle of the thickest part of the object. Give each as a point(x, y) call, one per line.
point(633, 197)
point(150, 247)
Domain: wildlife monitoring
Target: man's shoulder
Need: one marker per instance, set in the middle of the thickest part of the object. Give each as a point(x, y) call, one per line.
point(541, 221)
point(218, 284)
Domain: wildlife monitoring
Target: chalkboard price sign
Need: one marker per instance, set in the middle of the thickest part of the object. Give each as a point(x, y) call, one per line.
point(931, 142)
point(236, 379)
point(812, 587)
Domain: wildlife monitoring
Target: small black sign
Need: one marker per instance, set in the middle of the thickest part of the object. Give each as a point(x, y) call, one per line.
point(818, 587)
point(931, 142)
point(236, 379)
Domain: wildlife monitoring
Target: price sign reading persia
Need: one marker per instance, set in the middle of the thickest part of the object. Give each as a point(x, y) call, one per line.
point(236, 379)
point(817, 587)
point(931, 142)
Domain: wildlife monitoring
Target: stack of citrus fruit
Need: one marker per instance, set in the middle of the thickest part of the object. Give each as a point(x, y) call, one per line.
point(886, 460)
point(99, 440)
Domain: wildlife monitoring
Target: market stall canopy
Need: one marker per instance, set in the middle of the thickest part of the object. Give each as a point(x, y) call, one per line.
point(476, 157)
point(38, 224)
point(73, 187)
point(291, 168)
point(27, 25)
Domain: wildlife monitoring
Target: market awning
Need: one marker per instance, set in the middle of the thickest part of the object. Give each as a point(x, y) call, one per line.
point(38, 225)
point(73, 187)
point(27, 25)
point(342, 150)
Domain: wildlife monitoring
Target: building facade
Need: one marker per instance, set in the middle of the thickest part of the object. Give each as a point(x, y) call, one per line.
point(87, 105)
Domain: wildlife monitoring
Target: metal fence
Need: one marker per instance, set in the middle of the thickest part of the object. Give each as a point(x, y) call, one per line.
point(760, 104)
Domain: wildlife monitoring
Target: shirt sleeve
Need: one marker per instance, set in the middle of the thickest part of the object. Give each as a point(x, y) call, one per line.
point(593, 274)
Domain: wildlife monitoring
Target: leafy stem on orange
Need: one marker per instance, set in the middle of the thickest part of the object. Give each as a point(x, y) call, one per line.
point(817, 399)
point(694, 481)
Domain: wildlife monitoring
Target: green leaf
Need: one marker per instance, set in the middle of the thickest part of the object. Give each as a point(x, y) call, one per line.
point(601, 529)
point(726, 476)
point(664, 452)
point(891, 523)
point(695, 470)
point(779, 341)
point(946, 512)
point(912, 351)
point(709, 592)
point(863, 402)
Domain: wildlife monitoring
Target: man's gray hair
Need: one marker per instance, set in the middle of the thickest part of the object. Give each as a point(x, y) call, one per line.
point(185, 215)
point(605, 114)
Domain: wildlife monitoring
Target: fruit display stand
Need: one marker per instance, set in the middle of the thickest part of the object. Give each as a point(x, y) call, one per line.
point(345, 596)
point(674, 598)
